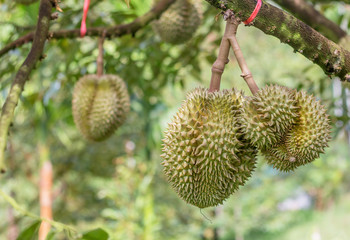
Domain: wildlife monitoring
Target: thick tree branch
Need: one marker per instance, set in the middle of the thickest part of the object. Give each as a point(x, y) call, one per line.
point(334, 60)
point(115, 31)
point(307, 13)
point(328, 1)
point(22, 75)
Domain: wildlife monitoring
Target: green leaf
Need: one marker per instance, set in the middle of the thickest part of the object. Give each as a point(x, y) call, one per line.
point(96, 234)
point(31, 232)
point(50, 235)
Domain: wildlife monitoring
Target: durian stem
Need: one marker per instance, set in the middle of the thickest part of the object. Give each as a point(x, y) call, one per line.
point(222, 59)
point(233, 23)
point(100, 56)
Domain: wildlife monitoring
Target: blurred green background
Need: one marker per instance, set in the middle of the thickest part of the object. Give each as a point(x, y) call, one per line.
point(118, 184)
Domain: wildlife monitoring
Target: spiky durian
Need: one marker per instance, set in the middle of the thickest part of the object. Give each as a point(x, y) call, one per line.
point(100, 105)
point(205, 155)
point(268, 115)
point(306, 140)
point(179, 22)
point(279, 157)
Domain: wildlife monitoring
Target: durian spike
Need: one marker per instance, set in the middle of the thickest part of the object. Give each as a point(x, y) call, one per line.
point(232, 23)
point(99, 61)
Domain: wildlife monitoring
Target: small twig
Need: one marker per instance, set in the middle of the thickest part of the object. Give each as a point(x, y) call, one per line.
point(233, 23)
point(57, 225)
point(100, 56)
point(22, 75)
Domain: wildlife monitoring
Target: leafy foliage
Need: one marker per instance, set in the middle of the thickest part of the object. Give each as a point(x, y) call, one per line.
point(31, 232)
point(118, 185)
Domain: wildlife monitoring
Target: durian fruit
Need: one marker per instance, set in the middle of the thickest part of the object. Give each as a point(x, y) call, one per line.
point(268, 115)
point(100, 105)
point(179, 22)
point(306, 140)
point(280, 158)
point(205, 155)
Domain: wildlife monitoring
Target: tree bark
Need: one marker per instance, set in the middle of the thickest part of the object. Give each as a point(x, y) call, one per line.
point(328, 1)
point(22, 75)
point(307, 13)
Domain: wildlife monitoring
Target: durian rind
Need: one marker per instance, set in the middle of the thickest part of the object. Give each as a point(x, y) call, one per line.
point(280, 158)
point(311, 133)
point(268, 115)
point(205, 156)
point(100, 105)
point(306, 140)
point(179, 22)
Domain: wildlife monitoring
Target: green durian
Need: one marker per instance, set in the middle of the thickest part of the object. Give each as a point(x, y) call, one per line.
point(205, 155)
point(280, 158)
point(100, 105)
point(306, 140)
point(268, 115)
point(179, 22)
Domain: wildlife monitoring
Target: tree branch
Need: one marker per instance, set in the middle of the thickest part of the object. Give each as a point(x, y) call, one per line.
point(115, 31)
point(22, 75)
point(334, 60)
point(306, 12)
point(328, 1)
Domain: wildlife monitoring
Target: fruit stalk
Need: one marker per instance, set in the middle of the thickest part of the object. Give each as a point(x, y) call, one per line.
point(100, 56)
point(232, 23)
point(222, 59)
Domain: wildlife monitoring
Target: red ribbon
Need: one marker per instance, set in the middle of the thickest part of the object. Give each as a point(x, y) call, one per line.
point(83, 21)
point(254, 13)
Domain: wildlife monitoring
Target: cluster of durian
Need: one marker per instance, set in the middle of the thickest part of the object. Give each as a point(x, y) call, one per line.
point(100, 105)
point(179, 22)
point(210, 147)
point(206, 157)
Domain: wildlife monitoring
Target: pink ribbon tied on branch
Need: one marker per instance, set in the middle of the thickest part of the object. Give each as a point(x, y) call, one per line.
point(254, 13)
point(83, 21)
